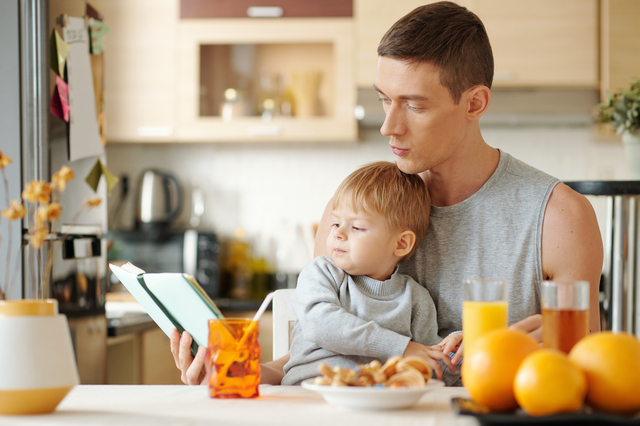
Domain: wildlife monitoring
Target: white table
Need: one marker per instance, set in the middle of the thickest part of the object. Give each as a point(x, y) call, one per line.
point(190, 405)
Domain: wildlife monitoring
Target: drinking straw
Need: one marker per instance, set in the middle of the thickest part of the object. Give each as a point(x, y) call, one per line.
point(256, 318)
point(248, 331)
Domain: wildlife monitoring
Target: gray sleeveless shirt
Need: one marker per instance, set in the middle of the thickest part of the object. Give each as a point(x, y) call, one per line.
point(495, 233)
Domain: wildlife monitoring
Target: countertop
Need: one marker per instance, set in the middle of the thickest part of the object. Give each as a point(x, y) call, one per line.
point(191, 405)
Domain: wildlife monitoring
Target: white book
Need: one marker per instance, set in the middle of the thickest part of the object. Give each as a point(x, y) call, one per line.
point(172, 300)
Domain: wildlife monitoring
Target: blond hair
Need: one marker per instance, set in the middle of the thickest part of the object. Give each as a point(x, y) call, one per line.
point(382, 188)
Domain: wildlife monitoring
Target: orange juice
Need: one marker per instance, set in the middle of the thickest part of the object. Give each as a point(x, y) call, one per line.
point(479, 318)
point(233, 359)
point(563, 328)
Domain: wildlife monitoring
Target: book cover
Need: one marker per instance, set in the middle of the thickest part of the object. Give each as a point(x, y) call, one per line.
point(172, 300)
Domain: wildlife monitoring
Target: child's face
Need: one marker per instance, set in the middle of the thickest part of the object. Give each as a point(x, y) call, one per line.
point(362, 243)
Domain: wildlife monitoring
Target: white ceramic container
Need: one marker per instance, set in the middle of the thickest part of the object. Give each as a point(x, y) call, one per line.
point(37, 363)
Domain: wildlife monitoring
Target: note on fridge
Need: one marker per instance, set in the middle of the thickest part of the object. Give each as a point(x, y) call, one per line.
point(84, 136)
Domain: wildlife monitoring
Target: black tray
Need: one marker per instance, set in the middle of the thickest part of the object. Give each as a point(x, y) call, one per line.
point(465, 406)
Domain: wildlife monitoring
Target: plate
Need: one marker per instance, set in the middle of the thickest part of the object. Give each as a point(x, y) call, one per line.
point(467, 407)
point(371, 398)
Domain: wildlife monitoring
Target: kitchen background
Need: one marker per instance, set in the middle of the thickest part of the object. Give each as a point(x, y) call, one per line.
point(259, 119)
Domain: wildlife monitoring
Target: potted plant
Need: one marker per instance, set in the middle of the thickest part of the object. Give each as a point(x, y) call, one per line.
point(622, 111)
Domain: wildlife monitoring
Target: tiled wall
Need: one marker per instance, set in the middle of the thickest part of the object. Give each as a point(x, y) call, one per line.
point(272, 191)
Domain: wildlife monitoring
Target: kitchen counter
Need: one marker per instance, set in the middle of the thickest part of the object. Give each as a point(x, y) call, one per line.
point(191, 405)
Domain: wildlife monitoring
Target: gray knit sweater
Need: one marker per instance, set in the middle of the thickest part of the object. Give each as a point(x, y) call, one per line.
point(350, 320)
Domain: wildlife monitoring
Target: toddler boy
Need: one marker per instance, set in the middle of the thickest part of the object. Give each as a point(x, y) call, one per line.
point(353, 306)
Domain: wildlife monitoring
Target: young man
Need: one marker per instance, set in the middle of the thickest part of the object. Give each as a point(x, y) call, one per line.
point(492, 215)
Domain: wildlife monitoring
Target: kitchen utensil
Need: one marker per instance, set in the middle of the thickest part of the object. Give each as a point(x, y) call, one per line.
point(159, 199)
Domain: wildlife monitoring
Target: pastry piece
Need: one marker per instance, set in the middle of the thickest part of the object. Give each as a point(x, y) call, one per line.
point(410, 378)
point(414, 362)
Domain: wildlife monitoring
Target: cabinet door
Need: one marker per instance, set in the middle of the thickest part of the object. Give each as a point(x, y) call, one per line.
point(543, 42)
point(139, 69)
point(620, 41)
point(372, 20)
point(535, 43)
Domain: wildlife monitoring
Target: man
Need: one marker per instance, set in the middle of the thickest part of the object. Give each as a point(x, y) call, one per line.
point(493, 216)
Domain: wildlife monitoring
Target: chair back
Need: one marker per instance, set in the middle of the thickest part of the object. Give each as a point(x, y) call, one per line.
point(283, 320)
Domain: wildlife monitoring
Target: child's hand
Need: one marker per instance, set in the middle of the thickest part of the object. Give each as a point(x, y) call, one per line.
point(430, 354)
point(453, 343)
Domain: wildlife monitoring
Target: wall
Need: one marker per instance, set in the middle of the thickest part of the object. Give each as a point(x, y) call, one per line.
point(267, 190)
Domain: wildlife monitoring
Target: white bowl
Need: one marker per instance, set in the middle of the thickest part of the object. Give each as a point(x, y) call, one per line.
point(371, 398)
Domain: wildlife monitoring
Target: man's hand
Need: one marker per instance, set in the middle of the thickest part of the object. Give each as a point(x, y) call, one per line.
point(430, 354)
point(453, 343)
point(531, 325)
point(191, 368)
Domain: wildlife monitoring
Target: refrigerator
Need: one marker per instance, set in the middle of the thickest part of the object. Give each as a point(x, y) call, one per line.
point(37, 142)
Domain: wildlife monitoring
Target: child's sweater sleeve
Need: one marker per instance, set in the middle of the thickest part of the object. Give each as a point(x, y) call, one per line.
point(326, 323)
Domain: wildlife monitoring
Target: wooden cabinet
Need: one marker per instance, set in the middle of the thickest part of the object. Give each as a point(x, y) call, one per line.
point(264, 8)
point(224, 58)
point(546, 43)
point(542, 43)
point(620, 44)
point(140, 63)
point(141, 358)
point(157, 66)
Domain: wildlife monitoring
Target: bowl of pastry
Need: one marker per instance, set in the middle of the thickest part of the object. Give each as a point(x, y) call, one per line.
point(399, 383)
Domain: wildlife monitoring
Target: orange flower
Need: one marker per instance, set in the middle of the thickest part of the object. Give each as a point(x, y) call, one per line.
point(92, 202)
point(15, 211)
point(4, 160)
point(38, 237)
point(37, 190)
point(60, 178)
point(49, 212)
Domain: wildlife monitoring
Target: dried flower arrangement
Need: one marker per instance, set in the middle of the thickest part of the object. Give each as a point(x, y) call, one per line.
point(45, 197)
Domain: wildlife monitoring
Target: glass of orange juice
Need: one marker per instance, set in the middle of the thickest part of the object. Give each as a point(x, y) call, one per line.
point(233, 358)
point(484, 308)
point(565, 313)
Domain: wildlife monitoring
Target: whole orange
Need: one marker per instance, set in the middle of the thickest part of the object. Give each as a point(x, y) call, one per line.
point(611, 362)
point(489, 370)
point(548, 382)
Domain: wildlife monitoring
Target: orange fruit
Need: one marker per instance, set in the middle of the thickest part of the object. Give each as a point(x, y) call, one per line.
point(611, 363)
point(489, 369)
point(548, 382)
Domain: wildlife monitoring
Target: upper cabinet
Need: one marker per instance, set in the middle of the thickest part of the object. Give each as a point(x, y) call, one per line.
point(620, 41)
point(542, 43)
point(284, 79)
point(170, 79)
point(139, 69)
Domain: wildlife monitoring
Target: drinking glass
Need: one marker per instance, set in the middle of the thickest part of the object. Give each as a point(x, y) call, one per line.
point(565, 313)
point(233, 359)
point(484, 308)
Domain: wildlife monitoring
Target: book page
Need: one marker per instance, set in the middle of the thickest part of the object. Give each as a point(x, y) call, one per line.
point(130, 281)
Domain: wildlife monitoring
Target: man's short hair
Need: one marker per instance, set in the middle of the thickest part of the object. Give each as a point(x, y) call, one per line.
point(450, 37)
point(382, 188)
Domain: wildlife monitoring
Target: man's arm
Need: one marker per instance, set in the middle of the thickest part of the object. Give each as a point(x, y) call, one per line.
point(572, 244)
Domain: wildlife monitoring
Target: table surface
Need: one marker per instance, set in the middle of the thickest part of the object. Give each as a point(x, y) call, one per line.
point(191, 405)
point(610, 187)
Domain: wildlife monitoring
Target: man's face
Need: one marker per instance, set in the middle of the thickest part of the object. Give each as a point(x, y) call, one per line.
point(424, 125)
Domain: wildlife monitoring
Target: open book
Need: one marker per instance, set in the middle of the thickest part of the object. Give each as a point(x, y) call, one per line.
point(172, 300)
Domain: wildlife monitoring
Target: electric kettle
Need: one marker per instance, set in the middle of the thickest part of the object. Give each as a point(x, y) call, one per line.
point(159, 199)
